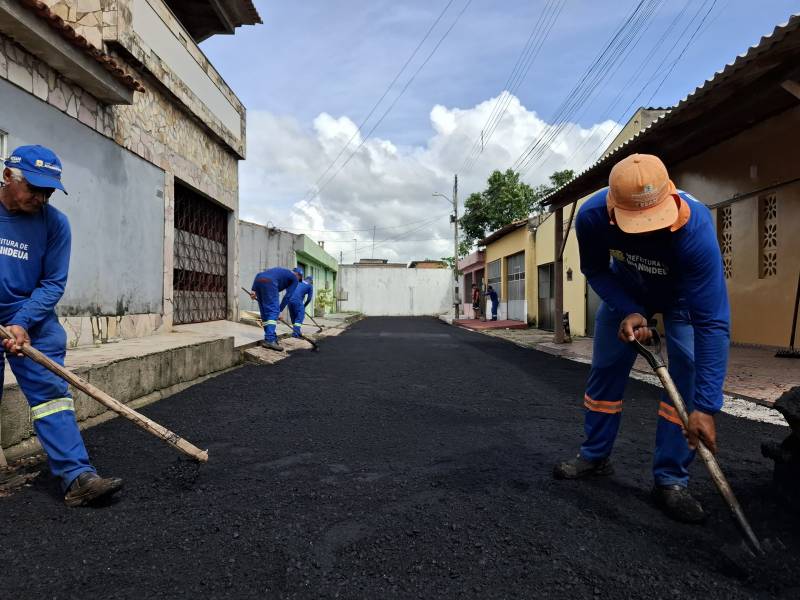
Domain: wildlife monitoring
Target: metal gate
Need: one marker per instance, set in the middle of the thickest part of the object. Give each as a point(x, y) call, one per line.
point(516, 287)
point(546, 297)
point(592, 304)
point(200, 273)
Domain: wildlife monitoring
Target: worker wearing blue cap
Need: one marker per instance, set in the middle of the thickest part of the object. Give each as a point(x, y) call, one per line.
point(266, 289)
point(301, 298)
point(35, 242)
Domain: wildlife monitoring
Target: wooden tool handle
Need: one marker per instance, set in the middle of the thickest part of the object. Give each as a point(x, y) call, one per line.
point(710, 461)
point(118, 407)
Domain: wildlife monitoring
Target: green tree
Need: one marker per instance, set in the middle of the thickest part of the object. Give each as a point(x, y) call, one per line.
point(506, 199)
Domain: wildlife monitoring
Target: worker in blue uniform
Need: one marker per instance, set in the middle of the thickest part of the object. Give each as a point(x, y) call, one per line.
point(266, 289)
point(302, 296)
point(646, 248)
point(495, 301)
point(35, 242)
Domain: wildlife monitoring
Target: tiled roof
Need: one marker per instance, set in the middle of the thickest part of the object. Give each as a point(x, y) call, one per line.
point(66, 31)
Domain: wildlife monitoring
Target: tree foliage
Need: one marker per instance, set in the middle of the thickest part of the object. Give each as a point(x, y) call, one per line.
point(506, 199)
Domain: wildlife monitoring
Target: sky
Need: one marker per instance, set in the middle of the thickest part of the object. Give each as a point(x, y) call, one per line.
point(517, 70)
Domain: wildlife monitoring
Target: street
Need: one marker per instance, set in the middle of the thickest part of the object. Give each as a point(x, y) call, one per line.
point(406, 459)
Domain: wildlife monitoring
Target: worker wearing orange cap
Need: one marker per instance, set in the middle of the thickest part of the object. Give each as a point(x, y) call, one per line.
point(647, 247)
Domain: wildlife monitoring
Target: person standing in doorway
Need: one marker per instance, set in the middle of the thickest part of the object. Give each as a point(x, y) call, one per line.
point(476, 302)
point(495, 301)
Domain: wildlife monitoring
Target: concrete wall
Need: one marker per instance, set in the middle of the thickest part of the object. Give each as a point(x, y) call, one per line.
point(115, 207)
point(385, 291)
point(261, 248)
point(759, 162)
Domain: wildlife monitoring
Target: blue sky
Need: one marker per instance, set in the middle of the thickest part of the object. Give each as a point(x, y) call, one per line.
point(334, 58)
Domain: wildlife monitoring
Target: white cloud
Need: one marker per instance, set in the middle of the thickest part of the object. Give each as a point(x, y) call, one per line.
point(387, 186)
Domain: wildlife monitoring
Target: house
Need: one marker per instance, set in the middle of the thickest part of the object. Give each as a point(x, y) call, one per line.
point(509, 260)
point(150, 137)
point(471, 268)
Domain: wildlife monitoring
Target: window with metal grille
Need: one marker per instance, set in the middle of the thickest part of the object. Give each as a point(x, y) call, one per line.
point(200, 271)
point(768, 236)
point(725, 239)
point(493, 275)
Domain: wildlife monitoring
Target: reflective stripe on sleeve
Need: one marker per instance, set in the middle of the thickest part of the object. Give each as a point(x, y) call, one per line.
point(53, 406)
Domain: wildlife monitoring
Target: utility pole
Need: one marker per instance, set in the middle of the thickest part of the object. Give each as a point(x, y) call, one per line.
point(455, 246)
point(373, 241)
point(341, 261)
point(355, 250)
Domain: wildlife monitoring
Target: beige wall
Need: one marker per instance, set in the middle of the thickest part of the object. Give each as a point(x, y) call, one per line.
point(758, 162)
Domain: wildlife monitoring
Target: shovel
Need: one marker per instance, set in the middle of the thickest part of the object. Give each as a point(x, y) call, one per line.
point(319, 327)
point(656, 361)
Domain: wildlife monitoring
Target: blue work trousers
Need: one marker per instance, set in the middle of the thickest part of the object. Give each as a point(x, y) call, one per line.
point(612, 360)
point(297, 312)
point(494, 311)
point(268, 297)
point(52, 407)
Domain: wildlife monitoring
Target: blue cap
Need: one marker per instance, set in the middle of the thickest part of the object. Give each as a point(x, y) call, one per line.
point(40, 166)
point(309, 279)
point(298, 270)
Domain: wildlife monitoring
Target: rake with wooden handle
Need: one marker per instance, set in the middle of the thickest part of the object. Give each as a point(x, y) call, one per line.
point(656, 361)
point(173, 439)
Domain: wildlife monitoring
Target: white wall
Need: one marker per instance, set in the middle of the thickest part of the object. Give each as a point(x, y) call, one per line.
point(377, 291)
point(261, 248)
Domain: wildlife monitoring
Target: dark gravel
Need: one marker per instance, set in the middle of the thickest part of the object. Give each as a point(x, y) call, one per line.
point(407, 459)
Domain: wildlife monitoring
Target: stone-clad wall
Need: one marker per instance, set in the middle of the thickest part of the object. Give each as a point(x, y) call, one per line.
point(87, 17)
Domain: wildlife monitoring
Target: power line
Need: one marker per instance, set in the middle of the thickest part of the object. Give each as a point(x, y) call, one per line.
point(586, 86)
point(354, 230)
point(536, 39)
point(310, 193)
point(397, 98)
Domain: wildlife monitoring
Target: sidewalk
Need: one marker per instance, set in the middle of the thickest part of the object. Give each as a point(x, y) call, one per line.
point(753, 373)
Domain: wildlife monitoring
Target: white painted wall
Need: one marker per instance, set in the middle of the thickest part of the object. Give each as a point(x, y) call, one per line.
point(377, 291)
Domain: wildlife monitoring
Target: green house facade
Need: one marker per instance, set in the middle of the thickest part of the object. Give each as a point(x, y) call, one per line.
point(323, 267)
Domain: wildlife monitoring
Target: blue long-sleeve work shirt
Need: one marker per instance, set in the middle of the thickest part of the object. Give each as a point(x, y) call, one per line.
point(304, 293)
point(652, 272)
point(284, 278)
point(34, 263)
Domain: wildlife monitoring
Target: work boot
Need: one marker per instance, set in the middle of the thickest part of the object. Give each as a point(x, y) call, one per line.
point(89, 486)
point(271, 345)
point(579, 467)
point(677, 503)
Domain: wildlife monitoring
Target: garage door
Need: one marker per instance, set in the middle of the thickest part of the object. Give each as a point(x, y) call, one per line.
point(516, 287)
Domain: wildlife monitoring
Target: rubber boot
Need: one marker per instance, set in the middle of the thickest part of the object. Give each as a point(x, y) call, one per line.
point(271, 345)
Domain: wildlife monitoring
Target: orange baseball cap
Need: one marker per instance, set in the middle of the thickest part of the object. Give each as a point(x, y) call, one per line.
point(641, 196)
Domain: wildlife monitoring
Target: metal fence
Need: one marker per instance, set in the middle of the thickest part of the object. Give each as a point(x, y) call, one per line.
point(200, 276)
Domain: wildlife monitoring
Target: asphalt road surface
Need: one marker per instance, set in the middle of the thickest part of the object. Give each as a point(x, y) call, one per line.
point(406, 459)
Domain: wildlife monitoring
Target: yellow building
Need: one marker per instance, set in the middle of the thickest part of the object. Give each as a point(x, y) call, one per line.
point(510, 261)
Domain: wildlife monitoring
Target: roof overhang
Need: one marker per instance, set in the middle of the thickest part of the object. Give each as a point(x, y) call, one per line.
point(202, 19)
point(747, 91)
point(502, 232)
point(37, 37)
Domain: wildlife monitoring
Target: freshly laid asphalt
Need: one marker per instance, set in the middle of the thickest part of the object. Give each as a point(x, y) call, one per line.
point(406, 459)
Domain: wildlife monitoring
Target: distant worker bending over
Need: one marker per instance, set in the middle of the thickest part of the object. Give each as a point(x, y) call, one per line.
point(267, 287)
point(302, 296)
point(35, 243)
point(646, 248)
